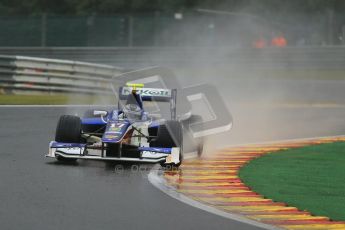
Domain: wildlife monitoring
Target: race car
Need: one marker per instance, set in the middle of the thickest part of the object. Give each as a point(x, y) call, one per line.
point(127, 133)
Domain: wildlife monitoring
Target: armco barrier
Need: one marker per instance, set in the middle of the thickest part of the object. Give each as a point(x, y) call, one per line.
point(18, 73)
point(137, 57)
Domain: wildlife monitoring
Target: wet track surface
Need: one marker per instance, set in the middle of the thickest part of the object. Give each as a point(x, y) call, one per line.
point(38, 193)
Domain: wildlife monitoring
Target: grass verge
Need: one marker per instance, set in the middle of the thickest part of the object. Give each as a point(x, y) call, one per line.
point(8, 99)
point(310, 178)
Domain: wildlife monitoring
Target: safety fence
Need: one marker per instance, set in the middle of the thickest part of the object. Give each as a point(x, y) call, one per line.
point(202, 28)
point(18, 74)
point(48, 74)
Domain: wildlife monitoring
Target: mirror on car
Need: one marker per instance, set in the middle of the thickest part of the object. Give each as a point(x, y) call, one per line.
point(100, 113)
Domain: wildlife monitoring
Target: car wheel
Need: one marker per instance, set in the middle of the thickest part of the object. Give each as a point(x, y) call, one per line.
point(191, 143)
point(68, 130)
point(170, 135)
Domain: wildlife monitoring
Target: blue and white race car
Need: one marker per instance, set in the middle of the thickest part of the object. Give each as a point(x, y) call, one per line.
point(127, 133)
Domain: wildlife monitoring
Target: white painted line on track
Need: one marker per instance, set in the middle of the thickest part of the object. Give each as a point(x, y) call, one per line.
point(159, 182)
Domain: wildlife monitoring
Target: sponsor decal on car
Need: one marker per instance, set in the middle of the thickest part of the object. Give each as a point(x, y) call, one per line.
point(147, 92)
point(111, 136)
point(149, 152)
point(114, 129)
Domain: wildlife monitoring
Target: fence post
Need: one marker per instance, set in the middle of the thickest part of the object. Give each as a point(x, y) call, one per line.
point(330, 14)
point(157, 16)
point(44, 30)
point(343, 34)
point(130, 31)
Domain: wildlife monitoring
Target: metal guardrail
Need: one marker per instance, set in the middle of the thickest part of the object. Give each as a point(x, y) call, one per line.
point(52, 75)
point(18, 73)
point(248, 58)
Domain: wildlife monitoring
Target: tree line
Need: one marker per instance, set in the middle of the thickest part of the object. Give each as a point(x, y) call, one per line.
point(108, 7)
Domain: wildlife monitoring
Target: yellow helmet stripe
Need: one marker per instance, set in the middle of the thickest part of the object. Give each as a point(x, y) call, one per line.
point(135, 85)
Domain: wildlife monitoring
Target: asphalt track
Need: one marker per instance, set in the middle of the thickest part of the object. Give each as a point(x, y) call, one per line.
point(38, 193)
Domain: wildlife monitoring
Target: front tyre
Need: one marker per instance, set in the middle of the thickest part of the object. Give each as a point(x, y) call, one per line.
point(68, 130)
point(191, 143)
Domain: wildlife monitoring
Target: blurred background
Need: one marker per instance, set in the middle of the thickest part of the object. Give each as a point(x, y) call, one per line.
point(155, 23)
point(279, 65)
point(134, 34)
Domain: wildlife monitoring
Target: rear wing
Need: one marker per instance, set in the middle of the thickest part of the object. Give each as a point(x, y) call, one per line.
point(148, 94)
point(152, 94)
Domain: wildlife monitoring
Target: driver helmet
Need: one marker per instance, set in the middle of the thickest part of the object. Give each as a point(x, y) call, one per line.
point(132, 111)
point(132, 108)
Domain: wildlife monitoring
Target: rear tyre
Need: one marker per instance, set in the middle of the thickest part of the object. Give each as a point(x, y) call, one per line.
point(200, 147)
point(170, 135)
point(68, 130)
point(191, 143)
